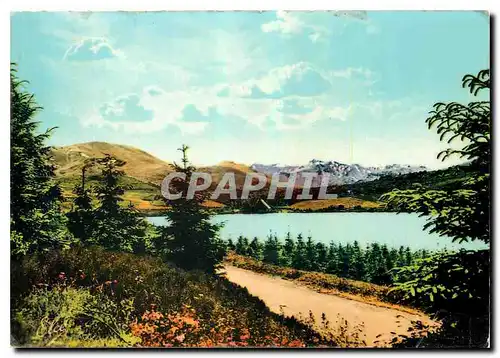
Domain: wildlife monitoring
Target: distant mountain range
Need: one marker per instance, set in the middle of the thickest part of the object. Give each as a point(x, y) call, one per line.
point(146, 168)
point(339, 173)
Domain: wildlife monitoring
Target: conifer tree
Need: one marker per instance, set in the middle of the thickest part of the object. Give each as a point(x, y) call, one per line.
point(81, 219)
point(255, 249)
point(230, 245)
point(190, 240)
point(288, 250)
point(321, 257)
point(241, 245)
point(299, 258)
point(311, 260)
point(333, 259)
point(272, 250)
point(116, 228)
point(36, 221)
point(358, 262)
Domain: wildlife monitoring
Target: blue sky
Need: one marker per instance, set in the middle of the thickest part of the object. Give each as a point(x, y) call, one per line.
point(268, 87)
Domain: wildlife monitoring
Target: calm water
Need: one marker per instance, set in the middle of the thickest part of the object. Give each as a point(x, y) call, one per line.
point(386, 228)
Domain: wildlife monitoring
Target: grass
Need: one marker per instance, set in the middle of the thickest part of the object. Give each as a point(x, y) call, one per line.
point(89, 297)
point(370, 293)
point(139, 164)
point(347, 203)
point(143, 196)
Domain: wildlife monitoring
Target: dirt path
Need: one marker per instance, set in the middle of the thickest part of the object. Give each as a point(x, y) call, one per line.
point(293, 299)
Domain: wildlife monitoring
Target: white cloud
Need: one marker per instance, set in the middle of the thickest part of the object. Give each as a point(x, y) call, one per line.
point(285, 23)
point(350, 72)
point(166, 108)
point(317, 25)
point(291, 23)
point(299, 79)
point(286, 98)
point(90, 49)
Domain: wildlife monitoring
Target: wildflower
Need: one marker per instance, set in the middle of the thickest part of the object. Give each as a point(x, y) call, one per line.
point(244, 337)
point(296, 344)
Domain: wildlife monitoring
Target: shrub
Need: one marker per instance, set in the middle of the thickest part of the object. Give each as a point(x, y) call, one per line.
point(80, 290)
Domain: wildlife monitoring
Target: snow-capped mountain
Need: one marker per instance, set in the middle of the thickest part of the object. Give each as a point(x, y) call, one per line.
point(339, 173)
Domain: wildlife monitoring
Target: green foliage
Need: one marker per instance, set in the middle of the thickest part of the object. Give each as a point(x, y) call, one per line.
point(442, 179)
point(93, 297)
point(81, 219)
point(455, 285)
point(456, 282)
point(299, 255)
point(272, 250)
point(462, 214)
point(255, 249)
point(108, 224)
point(61, 315)
point(35, 218)
point(190, 240)
point(371, 264)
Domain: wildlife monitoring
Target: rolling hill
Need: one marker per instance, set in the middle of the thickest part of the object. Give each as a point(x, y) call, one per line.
point(217, 172)
point(139, 164)
point(143, 172)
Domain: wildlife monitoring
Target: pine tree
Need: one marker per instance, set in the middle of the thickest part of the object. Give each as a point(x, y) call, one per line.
point(358, 262)
point(299, 258)
point(272, 248)
point(311, 259)
point(81, 219)
point(116, 228)
point(37, 223)
point(255, 249)
point(321, 257)
point(401, 257)
point(230, 245)
point(408, 257)
point(333, 261)
point(288, 250)
point(241, 245)
point(344, 255)
point(190, 241)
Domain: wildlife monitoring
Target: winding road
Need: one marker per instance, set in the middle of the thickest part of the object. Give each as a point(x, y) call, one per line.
point(379, 324)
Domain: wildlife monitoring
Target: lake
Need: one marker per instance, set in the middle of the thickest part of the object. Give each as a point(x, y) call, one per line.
point(385, 228)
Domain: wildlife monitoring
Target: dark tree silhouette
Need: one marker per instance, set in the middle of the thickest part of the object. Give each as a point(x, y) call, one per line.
point(35, 216)
point(190, 240)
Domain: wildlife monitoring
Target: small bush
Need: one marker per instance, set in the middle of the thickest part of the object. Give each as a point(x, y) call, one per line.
point(92, 297)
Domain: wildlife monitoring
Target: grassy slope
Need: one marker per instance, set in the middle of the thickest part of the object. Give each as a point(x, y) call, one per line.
point(217, 172)
point(347, 202)
point(139, 164)
point(444, 179)
point(92, 297)
point(143, 172)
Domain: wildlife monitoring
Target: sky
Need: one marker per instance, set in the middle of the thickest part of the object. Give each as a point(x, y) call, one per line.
point(251, 87)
